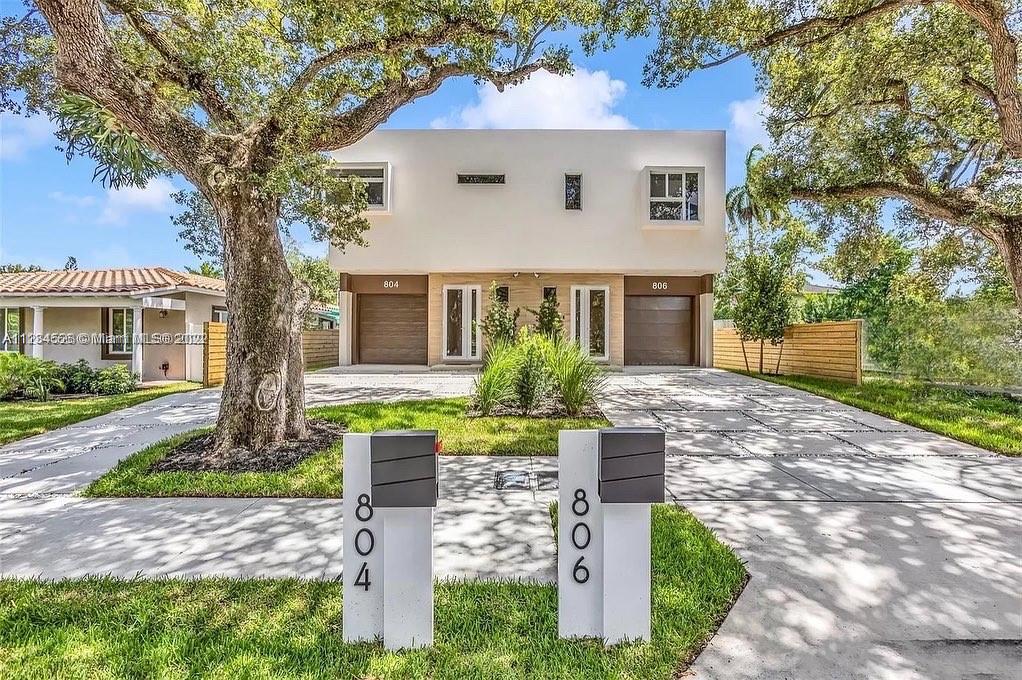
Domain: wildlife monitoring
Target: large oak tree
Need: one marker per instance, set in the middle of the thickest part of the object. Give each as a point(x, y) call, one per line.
point(243, 98)
point(916, 101)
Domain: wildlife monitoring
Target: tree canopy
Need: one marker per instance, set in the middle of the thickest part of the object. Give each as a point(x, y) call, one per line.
point(867, 100)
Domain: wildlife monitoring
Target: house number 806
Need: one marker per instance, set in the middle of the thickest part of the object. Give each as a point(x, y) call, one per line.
point(659, 285)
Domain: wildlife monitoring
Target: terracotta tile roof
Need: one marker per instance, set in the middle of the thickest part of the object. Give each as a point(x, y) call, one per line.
point(84, 281)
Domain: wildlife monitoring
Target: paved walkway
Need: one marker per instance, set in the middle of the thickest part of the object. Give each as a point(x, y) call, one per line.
point(876, 550)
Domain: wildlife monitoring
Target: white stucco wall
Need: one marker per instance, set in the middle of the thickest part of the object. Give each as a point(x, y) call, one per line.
point(198, 310)
point(438, 225)
point(155, 354)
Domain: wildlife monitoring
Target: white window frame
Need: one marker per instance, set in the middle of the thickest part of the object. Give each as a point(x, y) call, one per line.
point(387, 182)
point(6, 342)
point(219, 311)
point(466, 323)
point(584, 326)
point(129, 340)
point(647, 199)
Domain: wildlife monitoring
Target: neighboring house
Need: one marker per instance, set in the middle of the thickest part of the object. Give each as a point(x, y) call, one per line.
point(140, 317)
point(818, 289)
point(625, 227)
point(322, 317)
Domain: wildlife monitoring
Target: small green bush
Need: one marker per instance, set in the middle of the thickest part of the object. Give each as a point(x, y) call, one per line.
point(577, 379)
point(532, 379)
point(549, 322)
point(78, 378)
point(495, 385)
point(500, 324)
point(25, 376)
point(116, 379)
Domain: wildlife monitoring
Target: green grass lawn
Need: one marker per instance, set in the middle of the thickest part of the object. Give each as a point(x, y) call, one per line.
point(992, 422)
point(19, 419)
point(319, 476)
point(218, 628)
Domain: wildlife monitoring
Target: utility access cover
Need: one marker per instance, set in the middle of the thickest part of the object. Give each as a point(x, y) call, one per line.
point(512, 480)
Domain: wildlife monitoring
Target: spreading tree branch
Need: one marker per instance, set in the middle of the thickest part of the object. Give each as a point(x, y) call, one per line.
point(179, 70)
point(444, 32)
point(88, 64)
point(347, 128)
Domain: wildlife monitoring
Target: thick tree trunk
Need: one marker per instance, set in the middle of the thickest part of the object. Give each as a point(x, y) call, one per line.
point(1009, 245)
point(264, 394)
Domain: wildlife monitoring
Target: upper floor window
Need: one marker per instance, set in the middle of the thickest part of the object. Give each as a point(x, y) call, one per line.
point(573, 191)
point(674, 195)
point(480, 178)
point(376, 179)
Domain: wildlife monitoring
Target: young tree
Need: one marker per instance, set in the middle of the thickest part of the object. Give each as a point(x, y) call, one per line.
point(500, 324)
point(243, 98)
point(915, 101)
point(765, 300)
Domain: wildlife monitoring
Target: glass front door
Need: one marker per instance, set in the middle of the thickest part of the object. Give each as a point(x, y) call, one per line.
point(462, 334)
point(590, 319)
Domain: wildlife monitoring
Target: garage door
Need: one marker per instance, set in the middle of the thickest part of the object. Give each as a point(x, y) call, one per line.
point(392, 329)
point(658, 330)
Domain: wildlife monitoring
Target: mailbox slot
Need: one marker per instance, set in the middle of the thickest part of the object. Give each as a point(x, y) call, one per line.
point(632, 463)
point(404, 469)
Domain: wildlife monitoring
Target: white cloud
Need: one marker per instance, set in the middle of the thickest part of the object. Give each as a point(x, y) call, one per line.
point(120, 203)
point(72, 199)
point(748, 122)
point(584, 99)
point(19, 134)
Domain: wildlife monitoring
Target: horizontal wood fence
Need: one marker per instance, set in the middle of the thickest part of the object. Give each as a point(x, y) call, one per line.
point(832, 349)
point(319, 348)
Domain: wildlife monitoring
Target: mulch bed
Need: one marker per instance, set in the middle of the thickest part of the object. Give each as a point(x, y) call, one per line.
point(194, 456)
point(548, 408)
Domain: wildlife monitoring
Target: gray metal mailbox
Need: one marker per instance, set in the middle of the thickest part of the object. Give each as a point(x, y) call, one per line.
point(631, 465)
point(404, 469)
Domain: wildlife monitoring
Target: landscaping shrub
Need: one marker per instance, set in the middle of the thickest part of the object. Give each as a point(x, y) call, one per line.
point(500, 324)
point(532, 379)
point(495, 385)
point(24, 376)
point(549, 322)
point(78, 378)
point(116, 379)
point(577, 379)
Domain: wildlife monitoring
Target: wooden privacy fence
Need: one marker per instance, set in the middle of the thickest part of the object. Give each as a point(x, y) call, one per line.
point(832, 349)
point(319, 348)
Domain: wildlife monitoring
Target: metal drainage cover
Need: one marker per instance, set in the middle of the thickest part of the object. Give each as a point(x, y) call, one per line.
point(512, 480)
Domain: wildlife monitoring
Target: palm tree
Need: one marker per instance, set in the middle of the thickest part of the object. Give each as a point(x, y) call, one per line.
point(743, 205)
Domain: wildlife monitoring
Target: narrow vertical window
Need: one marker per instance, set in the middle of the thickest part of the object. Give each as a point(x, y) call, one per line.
point(504, 294)
point(549, 292)
point(11, 318)
point(692, 196)
point(573, 192)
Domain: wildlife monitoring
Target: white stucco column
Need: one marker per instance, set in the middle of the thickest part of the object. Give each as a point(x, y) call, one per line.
point(136, 341)
point(346, 305)
point(37, 332)
point(706, 330)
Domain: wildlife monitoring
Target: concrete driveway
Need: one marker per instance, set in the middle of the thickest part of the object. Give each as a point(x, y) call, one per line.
point(876, 550)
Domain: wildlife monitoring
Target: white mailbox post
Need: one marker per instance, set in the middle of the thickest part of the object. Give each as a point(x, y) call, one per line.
point(607, 480)
point(390, 491)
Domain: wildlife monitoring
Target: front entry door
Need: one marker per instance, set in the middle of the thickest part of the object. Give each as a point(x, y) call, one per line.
point(590, 319)
point(462, 333)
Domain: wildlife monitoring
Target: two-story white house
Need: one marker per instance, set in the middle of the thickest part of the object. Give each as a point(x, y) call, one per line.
point(625, 227)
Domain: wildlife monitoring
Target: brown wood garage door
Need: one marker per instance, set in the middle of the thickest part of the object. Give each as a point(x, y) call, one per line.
point(391, 329)
point(658, 330)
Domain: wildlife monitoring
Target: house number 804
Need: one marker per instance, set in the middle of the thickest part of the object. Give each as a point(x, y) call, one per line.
point(390, 284)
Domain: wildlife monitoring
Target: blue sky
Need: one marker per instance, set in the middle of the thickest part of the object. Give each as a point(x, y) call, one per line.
point(50, 209)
